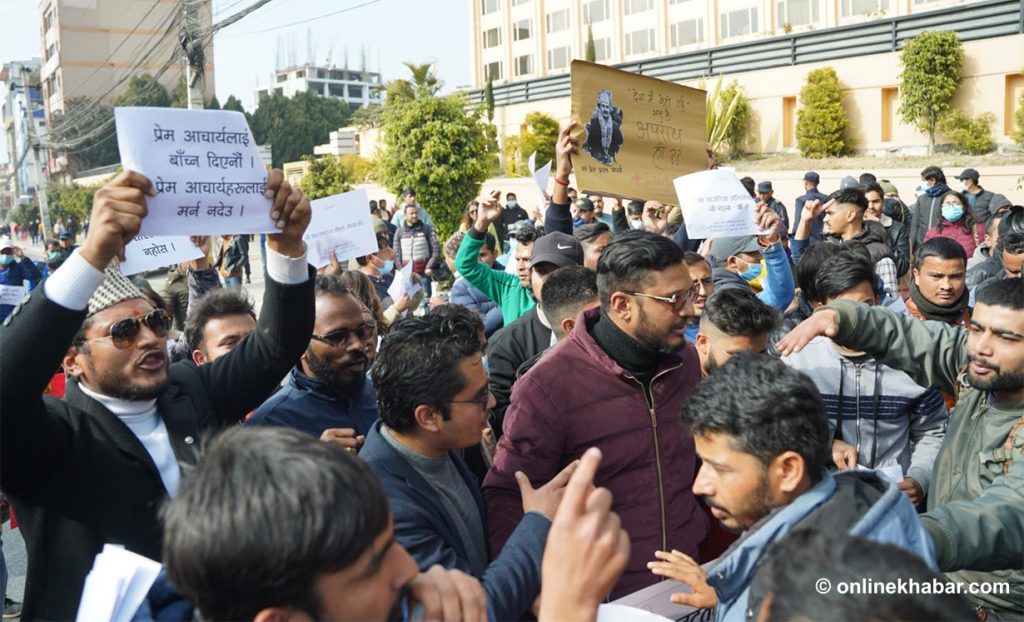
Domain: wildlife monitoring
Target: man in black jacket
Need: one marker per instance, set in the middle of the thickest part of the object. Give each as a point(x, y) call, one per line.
point(95, 467)
point(897, 236)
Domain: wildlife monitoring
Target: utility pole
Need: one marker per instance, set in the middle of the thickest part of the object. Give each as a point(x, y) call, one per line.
point(194, 54)
point(37, 156)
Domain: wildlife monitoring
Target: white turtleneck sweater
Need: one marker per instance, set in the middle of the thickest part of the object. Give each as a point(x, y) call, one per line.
point(142, 419)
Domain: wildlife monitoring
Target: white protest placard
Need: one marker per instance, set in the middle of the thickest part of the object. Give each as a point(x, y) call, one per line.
point(541, 175)
point(341, 223)
point(715, 204)
point(204, 165)
point(403, 283)
point(116, 586)
point(146, 252)
point(12, 294)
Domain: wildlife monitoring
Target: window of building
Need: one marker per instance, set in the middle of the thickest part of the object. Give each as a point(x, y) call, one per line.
point(739, 23)
point(51, 51)
point(853, 8)
point(336, 90)
point(799, 12)
point(558, 58)
point(640, 41)
point(602, 49)
point(48, 19)
point(282, 77)
point(890, 102)
point(632, 7)
point(679, 1)
point(492, 71)
point(355, 91)
point(596, 11)
point(315, 87)
point(490, 6)
point(558, 21)
point(278, 91)
point(686, 32)
point(518, 2)
point(301, 73)
point(492, 37)
point(521, 29)
point(524, 65)
point(1013, 89)
point(788, 121)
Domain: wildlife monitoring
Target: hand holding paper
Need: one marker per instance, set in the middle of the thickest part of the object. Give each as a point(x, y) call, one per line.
point(715, 205)
point(291, 214)
point(117, 212)
point(683, 568)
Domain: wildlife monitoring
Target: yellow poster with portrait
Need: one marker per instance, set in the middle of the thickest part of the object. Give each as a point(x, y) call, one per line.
point(636, 134)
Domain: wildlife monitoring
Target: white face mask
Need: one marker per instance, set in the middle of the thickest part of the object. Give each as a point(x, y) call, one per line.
point(636, 224)
point(963, 187)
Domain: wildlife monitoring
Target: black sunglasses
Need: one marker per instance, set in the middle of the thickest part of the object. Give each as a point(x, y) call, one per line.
point(123, 333)
point(364, 332)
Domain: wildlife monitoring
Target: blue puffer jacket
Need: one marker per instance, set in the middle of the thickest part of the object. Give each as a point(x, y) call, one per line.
point(858, 502)
point(464, 294)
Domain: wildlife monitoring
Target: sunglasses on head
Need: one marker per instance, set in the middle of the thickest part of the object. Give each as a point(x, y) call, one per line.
point(364, 332)
point(123, 333)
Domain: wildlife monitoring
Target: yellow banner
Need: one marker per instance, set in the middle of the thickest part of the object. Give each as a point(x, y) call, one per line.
point(636, 133)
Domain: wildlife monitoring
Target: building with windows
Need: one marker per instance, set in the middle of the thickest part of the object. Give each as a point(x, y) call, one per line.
point(22, 117)
point(356, 88)
point(768, 46)
point(92, 48)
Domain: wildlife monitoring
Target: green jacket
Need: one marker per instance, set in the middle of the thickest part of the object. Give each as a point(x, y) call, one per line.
point(975, 511)
point(501, 287)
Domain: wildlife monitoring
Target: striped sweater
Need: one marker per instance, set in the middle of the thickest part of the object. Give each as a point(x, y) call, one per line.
point(884, 414)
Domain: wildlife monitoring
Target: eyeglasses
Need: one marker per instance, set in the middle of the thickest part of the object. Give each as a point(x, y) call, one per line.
point(677, 300)
point(364, 332)
point(481, 401)
point(952, 204)
point(124, 333)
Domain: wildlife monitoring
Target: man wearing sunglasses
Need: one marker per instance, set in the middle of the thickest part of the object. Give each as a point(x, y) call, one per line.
point(95, 467)
point(328, 394)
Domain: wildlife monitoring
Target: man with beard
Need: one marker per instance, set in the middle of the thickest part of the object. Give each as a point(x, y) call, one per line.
point(976, 499)
point(733, 321)
point(434, 404)
point(604, 136)
point(638, 370)
point(328, 394)
point(764, 473)
point(95, 467)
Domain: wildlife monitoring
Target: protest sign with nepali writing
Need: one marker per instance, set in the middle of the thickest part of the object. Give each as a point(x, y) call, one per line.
point(636, 134)
point(204, 165)
point(151, 252)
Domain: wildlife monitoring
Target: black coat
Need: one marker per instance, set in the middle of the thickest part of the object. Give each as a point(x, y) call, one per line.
point(507, 350)
point(77, 477)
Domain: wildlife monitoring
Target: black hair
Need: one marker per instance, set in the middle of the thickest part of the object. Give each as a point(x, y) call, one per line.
point(330, 285)
point(846, 270)
point(459, 318)
point(811, 262)
point(731, 401)
point(692, 259)
point(510, 194)
point(854, 195)
point(373, 207)
point(738, 312)
point(874, 186)
point(809, 555)
point(867, 178)
point(565, 292)
point(749, 184)
point(635, 207)
point(627, 262)
point(1006, 293)
point(382, 243)
point(217, 304)
point(587, 234)
point(265, 513)
point(1012, 222)
point(943, 248)
point(856, 246)
point(418, 363)
point(528, 234)
point(966, 222)
point(1013, 244)
point(933, 172)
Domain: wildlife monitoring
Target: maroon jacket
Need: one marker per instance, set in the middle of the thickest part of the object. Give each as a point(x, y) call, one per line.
point(577, 397)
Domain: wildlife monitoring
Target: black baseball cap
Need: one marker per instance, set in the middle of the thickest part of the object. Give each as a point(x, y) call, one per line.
point(558, 248)
point(764, 186)
point(969, 173)
point(585, 205)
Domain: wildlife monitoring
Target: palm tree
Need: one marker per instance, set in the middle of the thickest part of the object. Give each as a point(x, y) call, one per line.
point(424, 84)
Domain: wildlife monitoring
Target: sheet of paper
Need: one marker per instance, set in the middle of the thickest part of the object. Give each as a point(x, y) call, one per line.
point(510, 265)
point(541, 175)
point(898, 305)
point(403, 283)
point(341, 223)
point(151, 252)
point(116, 585)
point(715, 204)
point(657, 599)
point(621, 613)
point(205, 166)
point(12, 294)
point(891, 472)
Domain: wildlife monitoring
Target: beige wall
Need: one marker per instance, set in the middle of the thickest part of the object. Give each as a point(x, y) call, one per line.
point(988, 64)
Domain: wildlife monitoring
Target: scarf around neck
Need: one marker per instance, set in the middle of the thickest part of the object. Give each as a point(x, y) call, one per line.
point(937, 190)
point(933, 311)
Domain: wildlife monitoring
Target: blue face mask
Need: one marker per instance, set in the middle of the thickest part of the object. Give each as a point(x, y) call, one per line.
point(389, 265)
point(952, 211)
point(6, 260)
point(752, 273)
point(511, 204)
point(53, 255)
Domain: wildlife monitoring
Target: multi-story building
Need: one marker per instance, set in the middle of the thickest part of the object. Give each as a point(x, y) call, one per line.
point(92, 49)
point(768, 46)
point(354, 87)
point(23, 119)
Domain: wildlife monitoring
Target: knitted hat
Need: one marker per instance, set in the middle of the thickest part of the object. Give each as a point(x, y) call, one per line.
point(115, 288)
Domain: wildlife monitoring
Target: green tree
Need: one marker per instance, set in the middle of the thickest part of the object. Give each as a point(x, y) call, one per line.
point(145, 90)
point(489, 99)
point(293, 126)
point(70, 201)
point(1018, 134)
point(424, 83)
point(736, 129)
point(23, 214)
point(591, 54)
point(81, 117)
point(541, 136)
point(179, 94)
point(330, 175)
point(434, 145)
point(969, 135)
point(366, 117)
point(232, 103)
point(213, 104)
point(931, 64)
point(821, 125)
point(727, 114)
